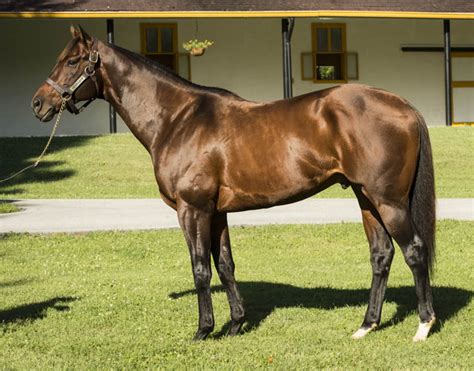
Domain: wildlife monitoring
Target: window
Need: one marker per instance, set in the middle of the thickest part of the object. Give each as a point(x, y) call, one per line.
point(159, 41)
point(329, 57)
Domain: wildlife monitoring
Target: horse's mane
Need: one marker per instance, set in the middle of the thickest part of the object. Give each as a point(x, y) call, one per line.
point(168, 73)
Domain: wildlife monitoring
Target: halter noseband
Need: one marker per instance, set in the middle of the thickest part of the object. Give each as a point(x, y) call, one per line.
point(89, 72)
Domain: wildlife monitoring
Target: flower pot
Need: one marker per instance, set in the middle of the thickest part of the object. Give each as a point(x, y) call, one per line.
point(197, 52)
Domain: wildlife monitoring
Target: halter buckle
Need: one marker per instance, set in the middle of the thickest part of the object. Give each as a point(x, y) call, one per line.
point(93, 56)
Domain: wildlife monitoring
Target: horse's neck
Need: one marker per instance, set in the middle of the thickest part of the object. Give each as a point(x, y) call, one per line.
point(146, 99)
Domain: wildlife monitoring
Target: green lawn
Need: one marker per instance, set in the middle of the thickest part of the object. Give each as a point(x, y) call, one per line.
point(124, 301)
point(7, 207)
point(118, 167)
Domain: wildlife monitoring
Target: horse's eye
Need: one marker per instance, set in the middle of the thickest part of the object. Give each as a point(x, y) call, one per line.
point(72, 62)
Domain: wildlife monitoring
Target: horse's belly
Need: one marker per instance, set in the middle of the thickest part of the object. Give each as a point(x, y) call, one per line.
point(231, 199)
point(280, 172)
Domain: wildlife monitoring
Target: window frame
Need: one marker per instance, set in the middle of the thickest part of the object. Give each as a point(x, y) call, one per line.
point(158, 26)
point(315, 52)
point(175, 52)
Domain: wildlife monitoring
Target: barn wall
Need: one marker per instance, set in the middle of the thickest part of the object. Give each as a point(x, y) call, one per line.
point(419, 77)
point(246, 59)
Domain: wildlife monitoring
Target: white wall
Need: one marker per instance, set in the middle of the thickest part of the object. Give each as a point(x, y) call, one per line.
point(418, 77)
point(246, 59)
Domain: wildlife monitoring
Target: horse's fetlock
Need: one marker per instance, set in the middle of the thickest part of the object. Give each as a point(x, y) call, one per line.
point(207, 325)
point(381, 271)
point(238, 315)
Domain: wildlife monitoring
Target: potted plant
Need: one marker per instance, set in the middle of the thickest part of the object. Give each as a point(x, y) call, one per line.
point(197, 48)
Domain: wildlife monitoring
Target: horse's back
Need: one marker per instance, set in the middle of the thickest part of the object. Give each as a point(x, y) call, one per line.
point(252, 155)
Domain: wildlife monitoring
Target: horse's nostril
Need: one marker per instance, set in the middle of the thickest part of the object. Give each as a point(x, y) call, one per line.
point(37, 104)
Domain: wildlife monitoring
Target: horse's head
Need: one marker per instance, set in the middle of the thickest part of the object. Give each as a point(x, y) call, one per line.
point(73, 78)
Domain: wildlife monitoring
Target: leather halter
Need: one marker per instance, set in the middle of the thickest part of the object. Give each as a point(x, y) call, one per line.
point(89, 72)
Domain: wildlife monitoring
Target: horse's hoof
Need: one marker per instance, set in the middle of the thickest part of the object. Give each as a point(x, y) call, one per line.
point(201, 335)
point(423, 330)
point(360, 333)
point(235, 328)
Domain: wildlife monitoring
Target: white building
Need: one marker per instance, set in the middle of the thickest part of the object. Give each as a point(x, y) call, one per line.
point(397, 50)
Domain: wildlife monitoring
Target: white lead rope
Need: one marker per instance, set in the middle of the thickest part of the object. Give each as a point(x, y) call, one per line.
point(40, 157)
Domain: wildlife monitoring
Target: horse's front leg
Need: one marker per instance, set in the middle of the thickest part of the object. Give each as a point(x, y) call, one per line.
point(224, 263)
point(196, 226)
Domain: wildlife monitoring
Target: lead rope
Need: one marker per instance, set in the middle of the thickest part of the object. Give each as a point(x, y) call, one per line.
point(40, 157)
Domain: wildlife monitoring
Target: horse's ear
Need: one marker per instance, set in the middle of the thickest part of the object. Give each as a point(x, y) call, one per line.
point(77, 31)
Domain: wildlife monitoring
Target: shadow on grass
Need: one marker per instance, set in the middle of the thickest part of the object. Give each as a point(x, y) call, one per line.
point(34, 311)
point(261, 298)
point(17, 153)
point(6, 284)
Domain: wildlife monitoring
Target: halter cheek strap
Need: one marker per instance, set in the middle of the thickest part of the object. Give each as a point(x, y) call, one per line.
point(89, 72)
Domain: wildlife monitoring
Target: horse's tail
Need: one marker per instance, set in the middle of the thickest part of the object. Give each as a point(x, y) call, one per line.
point(422, 199)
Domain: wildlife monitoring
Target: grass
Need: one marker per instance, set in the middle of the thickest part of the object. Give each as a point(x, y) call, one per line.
point(124, 300)
point(7, 207)
point(118, 167)
point(79, 167)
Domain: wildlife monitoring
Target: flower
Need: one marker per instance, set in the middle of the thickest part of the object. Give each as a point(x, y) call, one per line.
point(196, 44)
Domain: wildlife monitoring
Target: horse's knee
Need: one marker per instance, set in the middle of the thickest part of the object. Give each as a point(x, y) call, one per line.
point(381, 262)
point(202, 277)
point(225, 270)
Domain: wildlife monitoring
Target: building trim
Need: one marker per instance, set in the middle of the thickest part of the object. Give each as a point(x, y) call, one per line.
point(240, 14)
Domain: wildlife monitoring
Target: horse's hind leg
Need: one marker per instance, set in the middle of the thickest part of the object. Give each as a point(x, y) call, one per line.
point(224, 263)
point(196, 225)
point(381, 255)
point(398, 221)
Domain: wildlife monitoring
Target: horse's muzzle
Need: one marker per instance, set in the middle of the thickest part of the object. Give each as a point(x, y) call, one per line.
point(36, 104)
point(41, 110)
point(48, 116)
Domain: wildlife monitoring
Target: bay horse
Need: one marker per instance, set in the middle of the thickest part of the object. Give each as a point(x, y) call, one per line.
point(214, 152)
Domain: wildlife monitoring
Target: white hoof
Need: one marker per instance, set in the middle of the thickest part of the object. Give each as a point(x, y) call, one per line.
point(423, 330)
point(360, 333)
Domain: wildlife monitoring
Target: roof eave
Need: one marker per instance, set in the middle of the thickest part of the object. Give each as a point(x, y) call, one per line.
point(240, 14)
